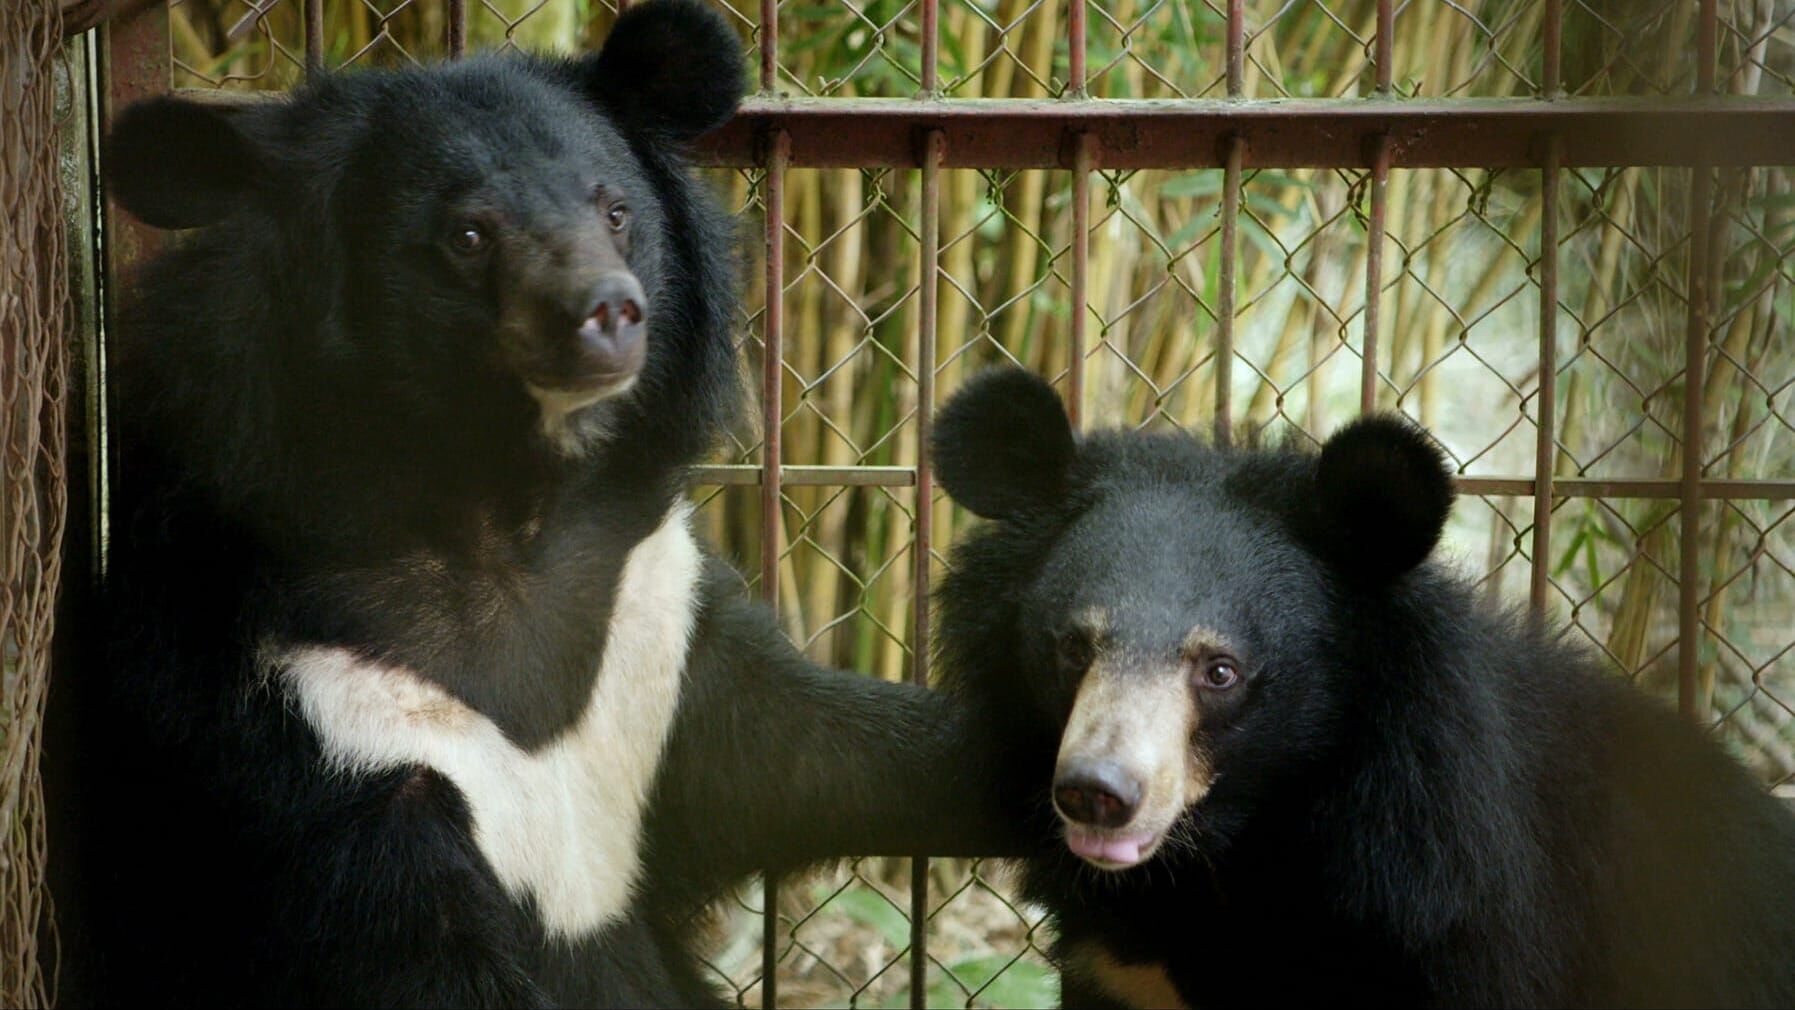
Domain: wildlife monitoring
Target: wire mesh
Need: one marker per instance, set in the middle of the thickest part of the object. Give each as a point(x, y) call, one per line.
point(1544, 339)
point(35, 313)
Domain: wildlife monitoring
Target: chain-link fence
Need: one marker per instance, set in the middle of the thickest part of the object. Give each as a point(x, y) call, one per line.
point(35, 332)
point(1551, 230)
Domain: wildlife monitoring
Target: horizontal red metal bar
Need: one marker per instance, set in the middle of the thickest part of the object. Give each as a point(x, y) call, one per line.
point(1630, 487)
point(809, 476)
point(1321, 133)
point(1521, 486)
point(1469, 133)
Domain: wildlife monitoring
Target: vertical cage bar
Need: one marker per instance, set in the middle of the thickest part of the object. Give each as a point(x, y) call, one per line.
point(1224, 309)
point(314, 36)
point(1084, 156)
point(1083, 162)
point(931, 47)
point(1707, 48)
point(934, 145)
point(772, 411)
point(1374, 272)
point(1075, 59)
point(1695, 340)
point(1385, 45)
point(1546, 446)
point(138, 63)
point(769, 48)
point(457, 29)
point(1237, 34)
point(1552, 42)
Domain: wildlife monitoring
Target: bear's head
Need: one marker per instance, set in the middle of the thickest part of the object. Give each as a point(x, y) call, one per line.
point(457, 246)
point(1158, 622)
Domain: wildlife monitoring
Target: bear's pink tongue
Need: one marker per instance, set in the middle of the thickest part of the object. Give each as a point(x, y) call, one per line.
point(1125, 851)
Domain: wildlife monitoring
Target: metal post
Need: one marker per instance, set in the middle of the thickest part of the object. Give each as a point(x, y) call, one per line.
point(1374, 272)
point(1552, 60)
point(772, 413)
point(1224, 312)
point(1236, 55)
point(1385, 45)
point(931, 48)
point(933, 145)
point(1075, 53)
point(457, 29)
point(1545, 458)
point(314, 37)
point(769, 46)
point(1695, 346)
point(1084, 156)
point(137, 65)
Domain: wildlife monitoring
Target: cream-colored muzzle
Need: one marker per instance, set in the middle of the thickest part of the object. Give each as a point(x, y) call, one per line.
point(1131, 735)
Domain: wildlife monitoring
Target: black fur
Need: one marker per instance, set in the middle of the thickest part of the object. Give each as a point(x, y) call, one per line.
point(1004, 444)
point(320, 442)
point(1384, 490)
point(1417, 799)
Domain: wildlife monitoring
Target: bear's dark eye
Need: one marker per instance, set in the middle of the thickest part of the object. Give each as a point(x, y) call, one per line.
point(1075, 650)
point(467, 238)
point(1219, 674)
point(617, 216)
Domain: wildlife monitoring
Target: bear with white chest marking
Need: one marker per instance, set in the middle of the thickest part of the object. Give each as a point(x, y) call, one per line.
point(416, 687)
point(1276, 757)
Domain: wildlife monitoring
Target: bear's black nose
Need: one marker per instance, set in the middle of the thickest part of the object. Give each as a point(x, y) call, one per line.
point(1098, 793)
point(616, 302)
point(610, 338)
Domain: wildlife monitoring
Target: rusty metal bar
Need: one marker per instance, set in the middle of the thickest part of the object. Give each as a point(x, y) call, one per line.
point(1385, 45)
point(1374, 272)
point(1233, 158)
point(1515, 485)
point(1635, 488)
point(137, 65)
point(1021, 133)
point(1321, 133)
point(1545, 456)
point(1695, 346)
point(807, 476)
point(1236, 56)
point(1083, 164)
point(1224, 308)
point(1076, 14)
point(777, 159)
point(1509, 485)
point(929, 279)
point(1552, 54)
point(458, 28)
point(769, 52)
point(314, 36)
point(1707, 48)
point(931, 48)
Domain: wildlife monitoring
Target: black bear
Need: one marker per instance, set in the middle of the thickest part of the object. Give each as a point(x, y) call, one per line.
point(1275, 757)
point(416, 687)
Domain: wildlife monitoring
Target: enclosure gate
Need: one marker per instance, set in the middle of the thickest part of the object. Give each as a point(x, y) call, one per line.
point(1714, 130)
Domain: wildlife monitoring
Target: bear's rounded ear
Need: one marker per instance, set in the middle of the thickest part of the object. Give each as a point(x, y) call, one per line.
point(1384, 491)
point(176, 163)
point(1002, 444)
point(673, 66)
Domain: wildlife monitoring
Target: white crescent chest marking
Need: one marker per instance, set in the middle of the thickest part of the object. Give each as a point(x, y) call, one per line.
point(561, 824)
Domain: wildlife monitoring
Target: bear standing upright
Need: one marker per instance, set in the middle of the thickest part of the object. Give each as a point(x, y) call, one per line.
point(416, 687)
point(1276, 758)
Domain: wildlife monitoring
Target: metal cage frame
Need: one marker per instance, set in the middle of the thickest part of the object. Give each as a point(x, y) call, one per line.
point(1547, 132)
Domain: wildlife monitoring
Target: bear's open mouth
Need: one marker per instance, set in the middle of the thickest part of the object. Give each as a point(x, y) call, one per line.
point(1112, 850)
